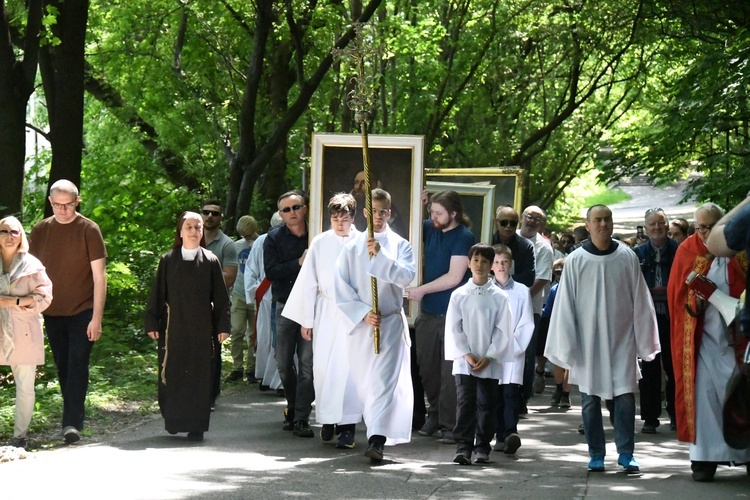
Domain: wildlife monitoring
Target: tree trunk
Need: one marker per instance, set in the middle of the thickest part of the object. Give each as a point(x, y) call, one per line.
point(62, 69)
point(16, 86)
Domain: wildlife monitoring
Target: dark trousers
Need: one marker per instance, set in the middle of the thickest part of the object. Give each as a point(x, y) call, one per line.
point(71, 349)
point(434, 370)
point(530, 365)
point(298, 382)
point(508, 410)
point(420, 409)
point(476, 401)
point(650, 384)
point(216, 376)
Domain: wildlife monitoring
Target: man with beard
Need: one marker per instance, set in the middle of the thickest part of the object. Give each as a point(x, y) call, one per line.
point(447, 241)
point(223, 247)
point(506, 223)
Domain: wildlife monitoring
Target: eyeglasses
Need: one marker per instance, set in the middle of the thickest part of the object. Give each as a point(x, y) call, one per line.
point(211, 212)
point(60, 206)
point(653, 211)
point(12, 232)
point(382, 212)
point(702, 227)
point(286, 210)
point(507, 222)
point(533, 218)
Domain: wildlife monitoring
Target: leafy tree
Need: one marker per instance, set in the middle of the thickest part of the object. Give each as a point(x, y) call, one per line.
point(694, 116)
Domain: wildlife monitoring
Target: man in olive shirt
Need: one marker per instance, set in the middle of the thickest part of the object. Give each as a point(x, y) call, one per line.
point(72, 250)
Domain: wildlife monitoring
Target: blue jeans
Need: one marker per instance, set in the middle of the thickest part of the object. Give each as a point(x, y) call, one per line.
point(298, 383)
point(624, 412)
point(71, 349)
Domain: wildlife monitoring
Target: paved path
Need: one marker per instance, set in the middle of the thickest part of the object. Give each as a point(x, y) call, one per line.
point(247, 455)
point(629, 214)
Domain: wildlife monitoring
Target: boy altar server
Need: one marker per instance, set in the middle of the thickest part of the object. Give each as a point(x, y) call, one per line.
point(383, 381)
point(312, 304)
point(478, 338)
point(509, 391)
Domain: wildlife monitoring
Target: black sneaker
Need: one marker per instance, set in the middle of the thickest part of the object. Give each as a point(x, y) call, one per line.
point(375, 452)
point(429, 428)
point(71, 434)
point(462, 458)
point(346, 440)
point(649, 427)
point(512, 443)
point(234, 376)
point(302, 429)
point(556, 396)
point(18, 442)
point(288, 425)
point(326, 432)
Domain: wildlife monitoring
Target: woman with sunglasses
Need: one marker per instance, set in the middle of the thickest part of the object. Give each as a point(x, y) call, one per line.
point(25, 291)
point(188, 307)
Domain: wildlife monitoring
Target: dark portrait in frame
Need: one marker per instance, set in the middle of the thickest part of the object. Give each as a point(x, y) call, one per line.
point(396, 164)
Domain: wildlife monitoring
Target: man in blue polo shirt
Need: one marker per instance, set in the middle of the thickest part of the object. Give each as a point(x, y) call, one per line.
point(447, 241)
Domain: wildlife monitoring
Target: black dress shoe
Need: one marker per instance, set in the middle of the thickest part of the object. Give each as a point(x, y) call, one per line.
point(195, 436)
point(703, 472)
point(263, 387)
point(288, 425)
point(375, 452)
point(234, 376)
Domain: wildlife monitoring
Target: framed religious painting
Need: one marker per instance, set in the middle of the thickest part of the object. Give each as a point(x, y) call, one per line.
point(478, 201)
point(396, 165)
point(506, 181)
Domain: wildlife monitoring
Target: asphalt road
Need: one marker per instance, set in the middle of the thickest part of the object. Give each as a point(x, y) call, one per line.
point(247, 455)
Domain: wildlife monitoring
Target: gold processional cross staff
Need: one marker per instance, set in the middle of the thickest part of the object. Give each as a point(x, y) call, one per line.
point(361, 100)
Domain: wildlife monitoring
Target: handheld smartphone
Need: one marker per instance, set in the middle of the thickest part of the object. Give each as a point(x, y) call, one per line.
point(639, 232)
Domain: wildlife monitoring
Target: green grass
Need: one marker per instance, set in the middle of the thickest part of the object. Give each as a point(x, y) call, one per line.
point(606, 196)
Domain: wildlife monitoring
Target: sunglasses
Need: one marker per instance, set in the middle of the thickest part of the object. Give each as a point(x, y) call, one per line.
point(211, 212)
point(286, 210)
point(653, 211)
point(13, 232)
point(508, 222)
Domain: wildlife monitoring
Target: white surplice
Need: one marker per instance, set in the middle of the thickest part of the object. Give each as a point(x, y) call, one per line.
point(312, 304)
point(603, 320)
point(716, 364)
point(265, 360)
point(523, 329)
point(383, 381)
point(479, 322)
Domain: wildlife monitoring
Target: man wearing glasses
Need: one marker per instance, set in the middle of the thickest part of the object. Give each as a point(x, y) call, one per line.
point(223, 247)
point(284, 252)
point(72, 250)
point(656, 256)
point(704, 347)
point(534, 220)
point(506, 223)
